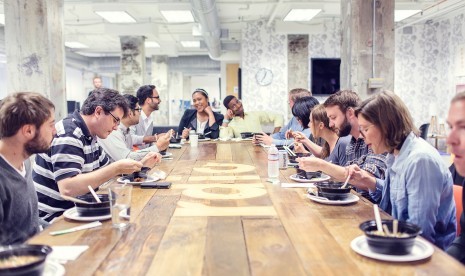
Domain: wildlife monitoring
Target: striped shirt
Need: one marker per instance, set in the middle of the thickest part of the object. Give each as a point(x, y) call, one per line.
point(357, 152)
point(73, 151)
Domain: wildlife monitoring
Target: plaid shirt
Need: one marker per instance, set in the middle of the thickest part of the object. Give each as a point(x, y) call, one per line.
point(357, 152)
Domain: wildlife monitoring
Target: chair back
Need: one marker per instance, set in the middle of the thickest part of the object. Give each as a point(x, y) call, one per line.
point(458, 205)
point(424, 131)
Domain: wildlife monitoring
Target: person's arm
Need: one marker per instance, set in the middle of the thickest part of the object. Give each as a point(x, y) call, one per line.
point(183, 128)
point(313, 164)
point(136, 139)
point(211, 116)
point(215, 128)
point(115, 146)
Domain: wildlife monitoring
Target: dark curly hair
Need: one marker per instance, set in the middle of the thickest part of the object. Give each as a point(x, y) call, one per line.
point(108, 99)
point(144, 92)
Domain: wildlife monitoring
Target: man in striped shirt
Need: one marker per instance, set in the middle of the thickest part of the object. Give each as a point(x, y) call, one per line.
point(75, 159)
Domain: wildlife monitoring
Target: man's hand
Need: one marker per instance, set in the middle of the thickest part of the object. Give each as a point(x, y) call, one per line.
point(151, 159)
point(164, 140)
point(264, 139)
point(127, 166)
point(229, 114)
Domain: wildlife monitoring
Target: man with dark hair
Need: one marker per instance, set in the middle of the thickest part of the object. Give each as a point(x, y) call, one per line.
point(340, 108)
point(142, 133)
point(279, 138)
point(118, 145)
point(97, 82)
point(27, 126)
point(236, 120)
point(456, 141)
point(75, 159)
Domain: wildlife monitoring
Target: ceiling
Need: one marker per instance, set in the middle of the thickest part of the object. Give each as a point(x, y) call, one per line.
point(83, 25)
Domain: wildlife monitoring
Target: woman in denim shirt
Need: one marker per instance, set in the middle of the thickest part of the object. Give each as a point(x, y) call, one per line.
point(418, 185)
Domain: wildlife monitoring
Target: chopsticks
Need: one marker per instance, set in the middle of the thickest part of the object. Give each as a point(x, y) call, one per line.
point(77, 228)
point(289, 151)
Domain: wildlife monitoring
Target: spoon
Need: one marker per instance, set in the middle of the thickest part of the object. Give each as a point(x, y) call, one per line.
point(94, 194)
point(345, 183)
point(73, 199)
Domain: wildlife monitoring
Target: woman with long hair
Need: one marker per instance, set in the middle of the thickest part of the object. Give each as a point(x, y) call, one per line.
point(334, 147)
point(202, 119)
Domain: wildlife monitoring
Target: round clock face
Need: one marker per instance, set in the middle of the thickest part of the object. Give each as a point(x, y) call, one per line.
point(264, 76)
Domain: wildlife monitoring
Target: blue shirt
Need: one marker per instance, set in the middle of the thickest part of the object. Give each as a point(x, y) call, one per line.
point(418, 189)
point(338, 155)
point(279, 138)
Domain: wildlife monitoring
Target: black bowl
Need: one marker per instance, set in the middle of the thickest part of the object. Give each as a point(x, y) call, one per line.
point(246, 135)
point(34, 267)
point(201, 135)
point(292, 158)
point(391, 245)
point(140, 174)
point(332, 190)
point(93, 208)
point(307, 175)
point(175, 140)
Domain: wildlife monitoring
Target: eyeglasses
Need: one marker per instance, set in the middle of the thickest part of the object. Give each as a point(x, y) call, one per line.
point(116, 120)
point(154, 97)
point(138, 109)
point(364, 130)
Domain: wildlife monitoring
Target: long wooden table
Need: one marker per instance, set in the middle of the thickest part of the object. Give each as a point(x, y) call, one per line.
point(221, 217)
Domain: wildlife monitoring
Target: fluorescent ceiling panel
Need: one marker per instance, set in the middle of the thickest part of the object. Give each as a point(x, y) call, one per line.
point(2, 19)
point(190, 44)
point(152, 44)
point(400, 15)
point(301, 14)
point(75, 45)
point(116, 16)
point(180, 16)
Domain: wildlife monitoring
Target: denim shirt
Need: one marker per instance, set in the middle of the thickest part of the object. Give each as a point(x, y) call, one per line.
point(279, 138)
point(418, 189)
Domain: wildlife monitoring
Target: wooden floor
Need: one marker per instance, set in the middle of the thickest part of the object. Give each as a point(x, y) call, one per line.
point(221, 217)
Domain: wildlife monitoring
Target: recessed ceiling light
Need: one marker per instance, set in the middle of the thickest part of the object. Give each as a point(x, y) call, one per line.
point(75, 45)
point(190, 44)
point(116, 16)
point(180, 16)
point(2, 19)
point(400, 15)
point(301, 14)
point(152, 44)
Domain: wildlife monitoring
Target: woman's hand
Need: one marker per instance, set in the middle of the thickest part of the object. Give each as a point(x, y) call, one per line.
point(185, 133)
point(299, 148)
point(360, 178)
point(309, 164)
point(299, 136)
point(208, 110)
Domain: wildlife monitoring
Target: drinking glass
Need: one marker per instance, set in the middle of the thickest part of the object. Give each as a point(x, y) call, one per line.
point(120, 200)
point(194, 140)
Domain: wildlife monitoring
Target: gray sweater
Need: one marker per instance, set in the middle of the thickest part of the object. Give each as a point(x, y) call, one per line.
point(19, 215)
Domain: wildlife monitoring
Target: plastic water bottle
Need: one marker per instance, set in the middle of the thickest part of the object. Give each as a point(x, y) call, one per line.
point(273, 163)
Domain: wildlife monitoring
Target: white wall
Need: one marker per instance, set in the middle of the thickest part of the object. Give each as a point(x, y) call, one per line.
point(3, 80)
point(209, 83)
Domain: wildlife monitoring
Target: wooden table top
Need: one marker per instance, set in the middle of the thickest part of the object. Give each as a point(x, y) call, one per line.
point(221, 217)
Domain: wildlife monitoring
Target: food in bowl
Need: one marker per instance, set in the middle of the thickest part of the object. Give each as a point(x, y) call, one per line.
point(137, 176)
point(400, 243)
point(333, 190)
point(307, 175)
point(25, 259)
point(175, 140)
point(292, 158)
point(93, 208)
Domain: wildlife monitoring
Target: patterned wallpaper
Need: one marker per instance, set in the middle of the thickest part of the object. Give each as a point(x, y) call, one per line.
point(425, 69)
point(297, 55)
point(263, 48)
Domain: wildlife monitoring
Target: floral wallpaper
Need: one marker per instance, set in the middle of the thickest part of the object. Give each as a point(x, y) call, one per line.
point(297, 55)
point(262, 48)
point(160, 80)
point(132, 69)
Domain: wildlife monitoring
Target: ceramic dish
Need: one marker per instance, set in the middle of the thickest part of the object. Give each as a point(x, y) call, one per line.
point(300, 179)
point(149, 178)
point(350, 199)
point(73, 214)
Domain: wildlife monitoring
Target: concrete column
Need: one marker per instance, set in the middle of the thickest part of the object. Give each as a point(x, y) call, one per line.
point(133, 68)
point(35, 49)
point(160, 80)
point(359, 50)
point(175, 88)
point(297, 61)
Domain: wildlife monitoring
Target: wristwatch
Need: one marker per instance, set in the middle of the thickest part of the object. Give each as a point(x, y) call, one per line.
point(226, 121)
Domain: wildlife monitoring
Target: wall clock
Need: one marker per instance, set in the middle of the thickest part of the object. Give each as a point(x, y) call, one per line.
point(264, 76)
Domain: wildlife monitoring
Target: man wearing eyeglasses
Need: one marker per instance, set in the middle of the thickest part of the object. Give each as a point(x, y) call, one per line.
point(75, 159)
point(237, 121)
point(118, 145)
point(142, 133)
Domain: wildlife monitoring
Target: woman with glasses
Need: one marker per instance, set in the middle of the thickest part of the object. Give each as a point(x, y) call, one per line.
point(202, 119)
point(334, 147)
point(418, 186)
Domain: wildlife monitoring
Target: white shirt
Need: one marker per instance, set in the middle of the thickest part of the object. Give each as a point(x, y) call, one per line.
point(21, 172)
point(201, 126)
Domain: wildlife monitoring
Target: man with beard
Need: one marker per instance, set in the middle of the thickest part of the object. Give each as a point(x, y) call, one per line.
point(142, 133)
point(237, 121)
point(340, 110)
point(75, 159)
point(456, 140)
point(27, 126)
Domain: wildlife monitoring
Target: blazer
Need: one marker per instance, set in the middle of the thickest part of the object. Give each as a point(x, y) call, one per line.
point(189, 120)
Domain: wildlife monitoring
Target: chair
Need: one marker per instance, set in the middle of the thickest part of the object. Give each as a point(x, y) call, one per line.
point(424, 131)
point(458, 205)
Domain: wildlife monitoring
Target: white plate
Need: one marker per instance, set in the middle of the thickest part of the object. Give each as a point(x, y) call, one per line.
point(150, 178)
point(167, 154)
point(73, 214)
point(421, 250)
point(124, 214)
point(204, 139)
point(53, 269)
point(350, 199)
point(247, 139)
point(323, 177)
